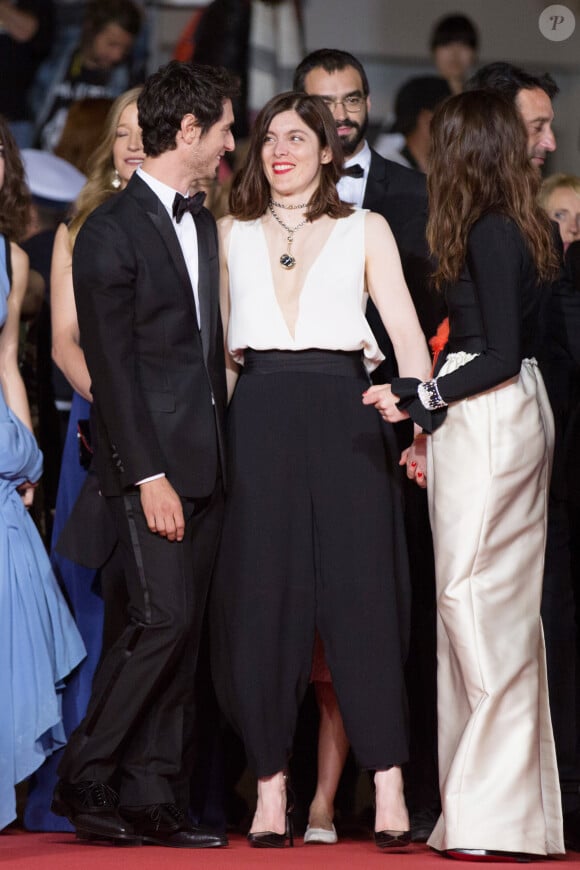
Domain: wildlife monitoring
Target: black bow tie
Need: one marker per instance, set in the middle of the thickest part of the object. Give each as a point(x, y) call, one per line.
point(192, 204)
point(354, 171)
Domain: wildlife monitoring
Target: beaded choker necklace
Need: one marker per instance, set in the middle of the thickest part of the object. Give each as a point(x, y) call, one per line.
point(283, 205)
point(287, 261)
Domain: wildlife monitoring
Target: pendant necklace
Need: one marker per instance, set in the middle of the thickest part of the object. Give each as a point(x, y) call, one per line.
point(287, 261)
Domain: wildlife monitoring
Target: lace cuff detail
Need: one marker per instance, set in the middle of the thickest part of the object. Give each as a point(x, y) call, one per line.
point(429, 395)
point(428, 419)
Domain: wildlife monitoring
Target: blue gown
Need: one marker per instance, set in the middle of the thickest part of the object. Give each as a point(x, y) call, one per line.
point(82, 589)
point(39, 642)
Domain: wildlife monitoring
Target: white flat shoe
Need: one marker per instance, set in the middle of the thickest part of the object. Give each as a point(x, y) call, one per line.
point(320, 835)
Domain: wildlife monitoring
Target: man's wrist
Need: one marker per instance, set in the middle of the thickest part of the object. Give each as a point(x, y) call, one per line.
point(149, 479)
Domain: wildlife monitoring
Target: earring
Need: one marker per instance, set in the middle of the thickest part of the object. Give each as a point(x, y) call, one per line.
point(116, 180)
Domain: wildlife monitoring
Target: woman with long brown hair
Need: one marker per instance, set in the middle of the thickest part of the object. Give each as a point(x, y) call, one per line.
point(313, 535)
point(488, 475)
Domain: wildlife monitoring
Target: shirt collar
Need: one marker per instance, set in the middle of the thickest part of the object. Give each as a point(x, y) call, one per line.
point(165, 193)
point(363, 158)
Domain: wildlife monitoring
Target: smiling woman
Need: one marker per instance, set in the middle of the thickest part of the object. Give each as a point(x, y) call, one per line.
point(313, 538)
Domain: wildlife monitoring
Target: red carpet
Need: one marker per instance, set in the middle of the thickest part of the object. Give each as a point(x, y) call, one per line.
point(23, 851)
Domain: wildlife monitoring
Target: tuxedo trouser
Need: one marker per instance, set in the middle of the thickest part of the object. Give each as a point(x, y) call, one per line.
point(140, 717)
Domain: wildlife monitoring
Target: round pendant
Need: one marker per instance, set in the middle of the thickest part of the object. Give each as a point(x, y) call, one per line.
point(287, 261)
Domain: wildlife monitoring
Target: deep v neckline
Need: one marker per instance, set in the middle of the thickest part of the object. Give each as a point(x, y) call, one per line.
point(304, 283)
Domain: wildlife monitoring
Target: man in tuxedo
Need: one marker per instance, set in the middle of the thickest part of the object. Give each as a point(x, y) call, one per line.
point(559, 363)
point(399, 194)
point(145, 272)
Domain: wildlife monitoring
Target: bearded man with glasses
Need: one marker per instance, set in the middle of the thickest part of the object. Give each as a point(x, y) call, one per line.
point(399, 194)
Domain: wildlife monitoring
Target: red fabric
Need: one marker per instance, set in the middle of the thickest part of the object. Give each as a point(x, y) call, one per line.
point(185, 48)
point(438, 341)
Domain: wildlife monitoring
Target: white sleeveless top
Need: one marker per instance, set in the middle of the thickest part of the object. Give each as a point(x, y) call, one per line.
point(331, 309)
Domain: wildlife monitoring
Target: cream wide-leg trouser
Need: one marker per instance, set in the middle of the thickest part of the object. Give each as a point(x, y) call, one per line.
point(488, 477)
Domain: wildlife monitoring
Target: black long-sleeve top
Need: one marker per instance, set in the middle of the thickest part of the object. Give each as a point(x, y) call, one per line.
point(496, 309)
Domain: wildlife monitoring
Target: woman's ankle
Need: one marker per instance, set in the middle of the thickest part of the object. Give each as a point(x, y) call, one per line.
point(391, 809)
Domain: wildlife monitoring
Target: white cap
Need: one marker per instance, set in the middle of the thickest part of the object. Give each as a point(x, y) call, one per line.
point(50, 177)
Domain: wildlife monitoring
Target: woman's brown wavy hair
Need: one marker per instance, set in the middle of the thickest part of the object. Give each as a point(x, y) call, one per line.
point(250, 192)
point(479, 164)
point(15, 196)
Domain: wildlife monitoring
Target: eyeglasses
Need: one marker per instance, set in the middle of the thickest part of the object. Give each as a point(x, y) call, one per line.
point(350, 104)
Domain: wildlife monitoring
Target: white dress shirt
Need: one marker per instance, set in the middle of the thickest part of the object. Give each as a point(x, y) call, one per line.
point(353, 189)
point(185, 231)
point(187, 238)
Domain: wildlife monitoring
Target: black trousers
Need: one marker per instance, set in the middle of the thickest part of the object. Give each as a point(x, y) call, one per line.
point(560, 597)
point(313, 538)
point(139, 723)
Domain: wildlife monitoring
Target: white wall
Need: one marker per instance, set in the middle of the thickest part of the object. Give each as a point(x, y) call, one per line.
point(391, 38)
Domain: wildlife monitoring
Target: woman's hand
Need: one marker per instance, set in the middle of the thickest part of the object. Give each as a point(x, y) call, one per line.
point(385, 402)
point(415, 458)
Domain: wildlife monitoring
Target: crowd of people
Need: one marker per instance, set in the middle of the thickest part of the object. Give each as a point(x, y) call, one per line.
point(320, 449)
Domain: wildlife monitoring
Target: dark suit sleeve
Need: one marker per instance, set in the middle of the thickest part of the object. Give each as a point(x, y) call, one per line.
point(399, 195)
point(105, 283)
point(565, 319)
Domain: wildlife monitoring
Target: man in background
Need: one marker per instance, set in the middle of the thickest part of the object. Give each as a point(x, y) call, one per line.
point(99, 66)
point(409, 141)
point(26, 31)
point(399, 194)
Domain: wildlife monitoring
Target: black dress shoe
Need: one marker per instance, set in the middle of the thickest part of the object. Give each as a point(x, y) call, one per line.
point(491, 856)
point(91, 807)
point(167, 825)
point(270, 839)
point(422, 824)
point(267, 840)
point(392, 839)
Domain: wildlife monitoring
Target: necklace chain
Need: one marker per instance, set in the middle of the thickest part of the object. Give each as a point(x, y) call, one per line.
point(282, 205)
point(287, 260)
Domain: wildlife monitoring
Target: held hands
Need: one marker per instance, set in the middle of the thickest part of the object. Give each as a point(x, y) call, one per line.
point(415, 458)
point(385, 401)
point(163, 509)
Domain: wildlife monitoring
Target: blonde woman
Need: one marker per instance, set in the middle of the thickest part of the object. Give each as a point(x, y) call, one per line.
point(560, 198)
point(112, 165)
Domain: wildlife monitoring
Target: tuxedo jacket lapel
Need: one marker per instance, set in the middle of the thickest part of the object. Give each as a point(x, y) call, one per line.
point(162, 222)
point(203, 285)
point(376, 186)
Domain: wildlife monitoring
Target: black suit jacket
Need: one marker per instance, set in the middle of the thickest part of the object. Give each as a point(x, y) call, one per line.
point(399, 194)
point(153, 372)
